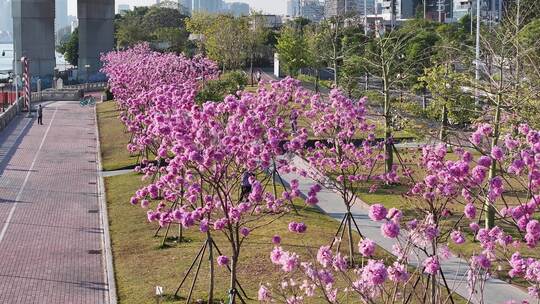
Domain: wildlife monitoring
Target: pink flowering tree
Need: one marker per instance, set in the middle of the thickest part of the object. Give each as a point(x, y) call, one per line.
point(449, 185)
point(153, 91)
point(345, 153)
point(147, 83)
point(212, 149)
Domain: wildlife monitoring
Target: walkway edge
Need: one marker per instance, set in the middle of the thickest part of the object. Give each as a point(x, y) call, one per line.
point(104, 218)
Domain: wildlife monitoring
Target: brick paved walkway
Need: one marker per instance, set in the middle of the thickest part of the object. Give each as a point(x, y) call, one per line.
point(50, 234)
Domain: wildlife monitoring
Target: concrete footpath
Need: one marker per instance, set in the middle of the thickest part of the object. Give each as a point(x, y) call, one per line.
point(51, 234)
point(455, 269)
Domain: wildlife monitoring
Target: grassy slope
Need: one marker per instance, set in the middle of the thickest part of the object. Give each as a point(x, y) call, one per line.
point(140, 264)
point(113, 138)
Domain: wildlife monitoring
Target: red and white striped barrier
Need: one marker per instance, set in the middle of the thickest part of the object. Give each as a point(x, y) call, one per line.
point(27, 88)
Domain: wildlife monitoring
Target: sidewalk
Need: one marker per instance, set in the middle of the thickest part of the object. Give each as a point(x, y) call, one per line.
point(454, 269)
point(50, 232)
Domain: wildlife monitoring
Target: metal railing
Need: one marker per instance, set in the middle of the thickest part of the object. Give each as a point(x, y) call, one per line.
point(88, 87)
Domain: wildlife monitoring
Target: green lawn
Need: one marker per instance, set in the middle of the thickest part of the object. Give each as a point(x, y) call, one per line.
point(140, 262)
point(113, 138)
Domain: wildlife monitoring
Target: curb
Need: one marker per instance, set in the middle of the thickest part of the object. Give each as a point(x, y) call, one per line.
point(104, 221)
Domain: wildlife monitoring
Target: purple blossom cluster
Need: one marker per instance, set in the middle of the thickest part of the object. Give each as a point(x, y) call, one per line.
point(195, 157)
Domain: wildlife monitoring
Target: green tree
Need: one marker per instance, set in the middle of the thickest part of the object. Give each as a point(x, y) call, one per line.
point(350, 74)
point(529, 41)
point(156, 24)
point(226, 41)
point(332, 41)
point(223, 38)
point(449, 104)
point(292, 50)
point(199, 24)
point(228, 84)
point(257, 36)
point(128, 27)
point(162, 17)
point(70, 48)
point(175, 39)
point(384, 57)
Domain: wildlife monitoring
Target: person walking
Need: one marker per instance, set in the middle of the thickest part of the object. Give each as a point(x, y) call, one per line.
point(259, 76)
point(40, 115)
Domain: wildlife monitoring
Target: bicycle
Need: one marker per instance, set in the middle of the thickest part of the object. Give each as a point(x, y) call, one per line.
point(87, 101)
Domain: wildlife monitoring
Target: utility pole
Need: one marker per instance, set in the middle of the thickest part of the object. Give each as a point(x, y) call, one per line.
point(365, 19)
point(440, 9)
point(477, 65)
point(471, 15)
point(393, 14)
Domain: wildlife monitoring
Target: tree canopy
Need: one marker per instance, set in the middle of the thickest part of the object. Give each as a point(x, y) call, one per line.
point(70, 48)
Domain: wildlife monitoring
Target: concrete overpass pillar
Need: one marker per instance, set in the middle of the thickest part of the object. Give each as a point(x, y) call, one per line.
point(33, 29)
point(96, 30)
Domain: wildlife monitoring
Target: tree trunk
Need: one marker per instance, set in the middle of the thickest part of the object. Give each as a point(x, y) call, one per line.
point(424, 99)
point(317, 77)
point(350, 234)
point(444, 124)
point(388, 151)
point(335, 73)
point(366, 79)
point(251, 68)
point(488, 205)
point(211, 261)
point(232, 291)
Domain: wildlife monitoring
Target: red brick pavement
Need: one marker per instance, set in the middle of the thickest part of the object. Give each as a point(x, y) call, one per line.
point(50, 234)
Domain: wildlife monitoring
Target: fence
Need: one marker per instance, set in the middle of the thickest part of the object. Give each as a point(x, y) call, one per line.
point(88, 87)
point(10, 113)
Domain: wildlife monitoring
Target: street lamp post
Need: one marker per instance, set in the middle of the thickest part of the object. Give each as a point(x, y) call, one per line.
point(87, 67)
point(477, 53)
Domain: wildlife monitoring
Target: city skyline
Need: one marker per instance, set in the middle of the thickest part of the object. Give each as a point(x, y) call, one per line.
point(269, 7)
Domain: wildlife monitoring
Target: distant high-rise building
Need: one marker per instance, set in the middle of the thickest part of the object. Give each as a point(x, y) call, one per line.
point(346, 7)
point(438, 10)
point(293, 8)
point(61, 14)
point(238, 8)
point(61, 22)
point(403, 9)
point(208, 6)
point(311, 9)
point(186, 6)
point(491, 10)
point(123, 8)
point(6, 22)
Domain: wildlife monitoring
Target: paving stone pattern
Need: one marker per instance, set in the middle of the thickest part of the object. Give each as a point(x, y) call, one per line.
point(50, 234)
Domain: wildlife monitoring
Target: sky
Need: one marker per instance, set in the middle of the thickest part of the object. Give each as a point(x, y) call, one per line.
point(267, 6)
